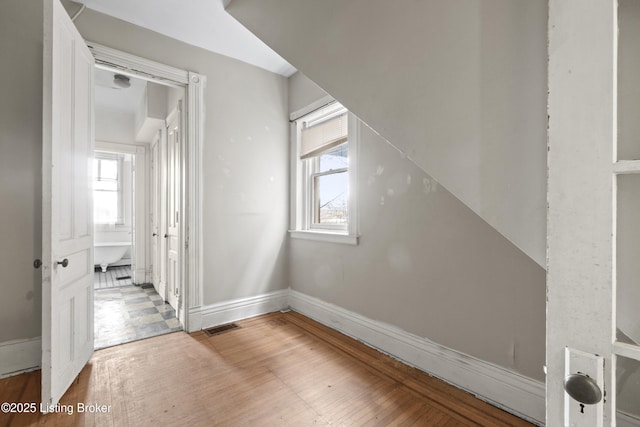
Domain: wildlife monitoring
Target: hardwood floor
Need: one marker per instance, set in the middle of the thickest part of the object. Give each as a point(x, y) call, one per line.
point(281, 369)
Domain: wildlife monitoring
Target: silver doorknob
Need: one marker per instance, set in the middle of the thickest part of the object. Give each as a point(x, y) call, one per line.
point(63, 263)
point(582, 388)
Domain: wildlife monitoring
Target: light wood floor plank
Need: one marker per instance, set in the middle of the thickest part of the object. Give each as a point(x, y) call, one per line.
point(281, 369)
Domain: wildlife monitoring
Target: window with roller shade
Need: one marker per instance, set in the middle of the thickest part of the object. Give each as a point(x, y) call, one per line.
point(322, 194)
point(324, 147)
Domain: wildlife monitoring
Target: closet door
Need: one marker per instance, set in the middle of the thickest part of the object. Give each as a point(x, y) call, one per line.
point(174, 150)
point(156, 225)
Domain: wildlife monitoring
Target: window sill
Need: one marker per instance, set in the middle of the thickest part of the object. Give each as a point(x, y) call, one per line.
point(325, 236)
point(112, 227)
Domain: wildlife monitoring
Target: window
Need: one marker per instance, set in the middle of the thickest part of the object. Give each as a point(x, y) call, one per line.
point(324, 152)
point(107, 189)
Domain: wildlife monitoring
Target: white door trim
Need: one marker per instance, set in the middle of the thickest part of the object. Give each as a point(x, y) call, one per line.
point(191, 260)
point(137, 66)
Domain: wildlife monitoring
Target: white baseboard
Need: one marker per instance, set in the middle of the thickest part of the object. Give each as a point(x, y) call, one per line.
point(140, 276)
point(238, 309)
point(20, 356)
point(501, 387)
point(195, 319)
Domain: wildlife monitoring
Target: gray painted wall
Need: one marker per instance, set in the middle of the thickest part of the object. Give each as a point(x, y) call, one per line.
point(303, 92)
point(426, 263)
point(20, 168)
point(458, 85)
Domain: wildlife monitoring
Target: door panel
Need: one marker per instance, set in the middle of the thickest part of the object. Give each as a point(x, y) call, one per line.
point(156, 226)
point(67, 275)
point(174, 147)
point(593, 206)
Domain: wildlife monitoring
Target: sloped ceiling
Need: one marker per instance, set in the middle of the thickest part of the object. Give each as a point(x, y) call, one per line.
point(202, 23)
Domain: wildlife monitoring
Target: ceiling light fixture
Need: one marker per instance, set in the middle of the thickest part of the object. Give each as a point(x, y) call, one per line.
point(121, 81)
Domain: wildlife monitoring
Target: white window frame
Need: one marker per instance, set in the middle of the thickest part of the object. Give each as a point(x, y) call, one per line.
point(116, 149)
point(302, 226)
point(310, 173)
point(101, 155)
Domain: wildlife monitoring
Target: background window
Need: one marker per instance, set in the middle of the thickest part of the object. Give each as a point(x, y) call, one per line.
point(330, 188)
point(107, 189)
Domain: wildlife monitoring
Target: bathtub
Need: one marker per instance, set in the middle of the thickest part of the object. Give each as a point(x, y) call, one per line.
point(108, 253)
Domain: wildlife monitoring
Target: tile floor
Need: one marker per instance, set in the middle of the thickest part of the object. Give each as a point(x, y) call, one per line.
point(114, 276)
point(130, 313)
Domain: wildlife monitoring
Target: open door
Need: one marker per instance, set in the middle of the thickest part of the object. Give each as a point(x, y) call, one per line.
point(593, 239)
point(174, 204)
point(67, 215)
point(156, 225)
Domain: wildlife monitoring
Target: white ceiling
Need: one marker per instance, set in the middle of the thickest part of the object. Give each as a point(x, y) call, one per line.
point(110, 97)
point(202, 23)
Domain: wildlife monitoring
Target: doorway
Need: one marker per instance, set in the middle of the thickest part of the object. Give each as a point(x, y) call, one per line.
point(67, 233)
point(137, 207)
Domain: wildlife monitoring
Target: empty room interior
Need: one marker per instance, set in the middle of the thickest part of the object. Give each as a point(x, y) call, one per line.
point(310, 213)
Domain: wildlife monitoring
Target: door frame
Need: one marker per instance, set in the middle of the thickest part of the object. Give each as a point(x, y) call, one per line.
point(191, 292)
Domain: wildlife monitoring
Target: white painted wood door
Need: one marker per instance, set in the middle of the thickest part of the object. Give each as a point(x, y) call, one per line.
point(593, 230)
point(67, 215)
point(174, 194)
point(156, 203)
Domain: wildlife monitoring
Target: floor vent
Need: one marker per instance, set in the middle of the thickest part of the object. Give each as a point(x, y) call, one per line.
point(220, 329)
point(123, 278)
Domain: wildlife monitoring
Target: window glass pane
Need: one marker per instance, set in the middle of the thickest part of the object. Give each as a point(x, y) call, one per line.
point(105, 207)
point(105, 185)
point(106, 192)
point(628, 388)
point(108, 169)
point(627, 266)
point(330, 199)
point(336, 158)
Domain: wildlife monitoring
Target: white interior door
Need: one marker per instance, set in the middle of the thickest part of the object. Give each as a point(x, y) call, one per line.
point(593, 237)
point(156, 200)
point(67, 229)
point(174, 150)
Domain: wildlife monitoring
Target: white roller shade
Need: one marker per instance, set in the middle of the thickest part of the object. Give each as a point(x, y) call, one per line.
point(323, 136)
